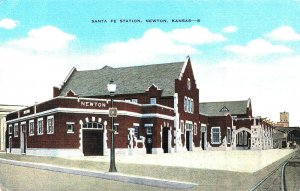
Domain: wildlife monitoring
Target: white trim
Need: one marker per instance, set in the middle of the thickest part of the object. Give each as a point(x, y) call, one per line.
point(16, 134)
point(42, 127)
point(211, 134)
point(70, 123)
point(10, 129)
point(31, 122)
point(183, 68)
point(89, 111)
point(48, 129)
point(148, 124)
point(136, 124)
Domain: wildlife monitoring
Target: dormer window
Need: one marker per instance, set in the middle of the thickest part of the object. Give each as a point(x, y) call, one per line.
point(153, 100)
point(188, 84)
point(224, 109)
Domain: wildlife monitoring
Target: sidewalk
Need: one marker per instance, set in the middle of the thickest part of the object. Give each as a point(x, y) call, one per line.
point(235, 160)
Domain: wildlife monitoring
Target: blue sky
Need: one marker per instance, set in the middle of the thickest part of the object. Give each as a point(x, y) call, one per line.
point(239, 49)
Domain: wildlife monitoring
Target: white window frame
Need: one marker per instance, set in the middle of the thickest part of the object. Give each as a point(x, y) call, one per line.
point(31, 127)
point(40, 126)
point(50, 130)
point(195, 128)
point(16, 130)
point(153, 100)
point(212, 135)
point(189, 84)
point(189, 126)
point(229, 135)
point(116, 128)
point(72, 125)
point(10, 129)
point(185, 103)
point(182, 126)
point(134, 100)
point(149, 129)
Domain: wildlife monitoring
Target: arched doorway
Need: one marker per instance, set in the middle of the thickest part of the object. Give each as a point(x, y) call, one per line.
point(243, 139)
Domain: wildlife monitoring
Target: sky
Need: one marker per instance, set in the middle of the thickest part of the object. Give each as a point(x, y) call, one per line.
point(239, 49)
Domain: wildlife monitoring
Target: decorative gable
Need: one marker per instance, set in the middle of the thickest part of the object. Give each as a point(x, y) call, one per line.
point(224, 109)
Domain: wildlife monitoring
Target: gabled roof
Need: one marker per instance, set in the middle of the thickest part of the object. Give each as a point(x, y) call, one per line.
point(225, 107)
point(129, 80)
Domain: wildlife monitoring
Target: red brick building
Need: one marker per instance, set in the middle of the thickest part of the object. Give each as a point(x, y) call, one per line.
point(158, 112)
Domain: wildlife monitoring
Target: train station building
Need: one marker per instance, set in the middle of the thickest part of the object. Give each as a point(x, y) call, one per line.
point(158, 111)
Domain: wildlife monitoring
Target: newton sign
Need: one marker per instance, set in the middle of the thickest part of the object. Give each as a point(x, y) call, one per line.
point(93, 104)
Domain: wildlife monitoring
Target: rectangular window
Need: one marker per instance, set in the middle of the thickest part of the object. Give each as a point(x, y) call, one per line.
point(152, 100)
point(16, 130)
point(192, 106)
point(149, 129)
point(70, 127)
point(50, 125)
point(216, 135)
point(189, 126)
point(195, 128)
point(185, 104)
point(116, 128)
point(31, 127)
point(182, 127)
point(228, 135)
point(40, 126)
point(10, 129)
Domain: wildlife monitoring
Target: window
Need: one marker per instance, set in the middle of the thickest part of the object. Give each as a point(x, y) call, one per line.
point(188, 84)
point(70, 127)
point(50, 125)
point(216, 135)
point(188, 105)
point(149, 129)
point(152, 100)
point(189, 126)
point(116, 128)
point(16, 130)
point(228, 135)
point(92, 125)
point(10, 129)
point(185, 104)
point(134, 100)
point(195, 128)
point(40, 126)
point(182, 127)
point(31, 127)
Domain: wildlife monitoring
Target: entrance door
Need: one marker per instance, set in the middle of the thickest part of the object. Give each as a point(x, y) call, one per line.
point(23, 139)
point(149, 140)
point(203, 140)
point(188, 141)
point(92, 142)
point(165, 140)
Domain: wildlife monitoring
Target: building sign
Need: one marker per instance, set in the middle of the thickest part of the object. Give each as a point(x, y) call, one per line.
point(92, 104)
point(112, 112)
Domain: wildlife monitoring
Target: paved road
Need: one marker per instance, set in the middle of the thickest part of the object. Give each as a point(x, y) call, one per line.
point(24, 178)
point(111, 177)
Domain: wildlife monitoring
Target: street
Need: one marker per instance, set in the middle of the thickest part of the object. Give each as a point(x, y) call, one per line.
point(23, 178)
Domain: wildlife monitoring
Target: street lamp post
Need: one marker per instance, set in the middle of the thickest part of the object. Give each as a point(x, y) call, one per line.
point(111, 87)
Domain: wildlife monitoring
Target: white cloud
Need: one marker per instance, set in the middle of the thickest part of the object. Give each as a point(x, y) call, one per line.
point(196, 35)
point(8, 23)
point(258, 47)
point(230, 29)
point(156, 45)
point(47, 38)
point(284, 33)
